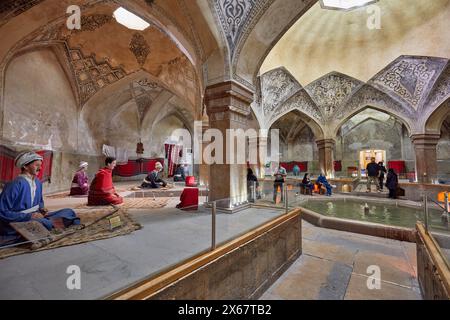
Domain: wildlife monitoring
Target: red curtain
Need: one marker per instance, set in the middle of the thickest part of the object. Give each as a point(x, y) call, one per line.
point(46, 168)
point(136, 167)
point(398, 166)
point(337, 165)
point(289, 166)
point(173, 155)
point(8, 171)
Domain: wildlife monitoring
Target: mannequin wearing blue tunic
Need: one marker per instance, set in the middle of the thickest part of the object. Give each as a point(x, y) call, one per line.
point(321, 179)
point(18, 203)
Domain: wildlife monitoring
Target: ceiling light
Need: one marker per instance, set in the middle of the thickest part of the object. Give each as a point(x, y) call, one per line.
point(130, 20)
point(345, 4)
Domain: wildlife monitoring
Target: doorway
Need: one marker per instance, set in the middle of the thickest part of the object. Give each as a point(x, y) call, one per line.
point(366, 155)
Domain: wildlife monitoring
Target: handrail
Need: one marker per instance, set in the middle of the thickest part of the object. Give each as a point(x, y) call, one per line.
point(446, 210)
point(436, 203)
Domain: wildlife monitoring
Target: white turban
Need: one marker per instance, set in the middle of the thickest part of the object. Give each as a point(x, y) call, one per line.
point(83, 164)
point(26, 158)
point(158, 165)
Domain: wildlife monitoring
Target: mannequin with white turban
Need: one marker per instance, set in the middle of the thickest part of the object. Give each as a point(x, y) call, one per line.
point(21, 199)
point(80, 181)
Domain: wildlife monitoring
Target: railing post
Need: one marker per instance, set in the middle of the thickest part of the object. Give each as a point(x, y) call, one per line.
point(213, 226)
point(425, 208)
point(286, 202)
point(447, 209)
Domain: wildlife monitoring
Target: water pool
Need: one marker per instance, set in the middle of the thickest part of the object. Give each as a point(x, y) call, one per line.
point(384, 213)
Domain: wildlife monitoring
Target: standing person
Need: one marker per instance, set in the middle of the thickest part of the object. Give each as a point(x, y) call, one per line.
point(392, 183)
point(80, 181)
point(102, 191)
point(381, 172)
point(22, 201)
point(252, 184)
point(280, 174)
point(372, 174)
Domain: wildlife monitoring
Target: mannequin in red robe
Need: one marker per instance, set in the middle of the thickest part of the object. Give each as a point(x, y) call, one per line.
point(101, 191)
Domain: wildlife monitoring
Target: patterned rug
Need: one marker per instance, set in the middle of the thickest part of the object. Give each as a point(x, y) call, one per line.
point(133, 203)
point(57, 195)
point(97, 227)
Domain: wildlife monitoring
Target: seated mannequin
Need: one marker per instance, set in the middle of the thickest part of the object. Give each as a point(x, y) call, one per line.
point(323, 180)
point(80, 186)
point(188, 199)
point(101, 191)
point(21, 199)
point(152, 180)
point(179, 174)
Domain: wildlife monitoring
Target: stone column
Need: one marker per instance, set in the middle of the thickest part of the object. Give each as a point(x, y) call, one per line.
point(262, 147)
point(326, 150)
point(228, 105)
point(425, 156)
point(202, 167)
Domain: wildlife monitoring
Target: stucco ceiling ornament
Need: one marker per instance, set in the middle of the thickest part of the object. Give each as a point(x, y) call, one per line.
point(147, 83)
point(140, 48)
point(302, 102)
point(410, 78)
point(233, 15)
point(330, 91)
point(441, 89)
point(90, 75)
point(93, 22)
point(277, 86)
point(369, 96)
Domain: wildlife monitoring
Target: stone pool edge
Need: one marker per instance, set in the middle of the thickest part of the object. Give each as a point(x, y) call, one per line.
point(367, 228)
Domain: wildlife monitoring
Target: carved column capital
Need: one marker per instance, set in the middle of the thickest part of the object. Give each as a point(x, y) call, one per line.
point(325, 143)
point(228, 101)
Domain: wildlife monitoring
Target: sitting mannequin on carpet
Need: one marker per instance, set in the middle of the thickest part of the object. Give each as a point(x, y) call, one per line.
point(80, 186)
point(101, 191)
point(21, 199)
point(153, 180)
point(179, 174)
point(323, 181)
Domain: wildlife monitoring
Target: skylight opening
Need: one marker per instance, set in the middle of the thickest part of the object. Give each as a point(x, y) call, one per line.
point(130, 20)
point(345, 4)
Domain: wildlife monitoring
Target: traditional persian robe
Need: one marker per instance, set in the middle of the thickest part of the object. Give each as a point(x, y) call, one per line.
point(21, 198)
point(101, 191)
point(80, 184)
point(153, 181)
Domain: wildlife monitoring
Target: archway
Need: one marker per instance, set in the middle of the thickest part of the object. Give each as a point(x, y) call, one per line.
point(443, 153)
point(297, 141)
point(374, 133)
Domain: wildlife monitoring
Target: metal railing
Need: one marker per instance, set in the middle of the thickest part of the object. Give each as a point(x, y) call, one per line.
point(445, 214)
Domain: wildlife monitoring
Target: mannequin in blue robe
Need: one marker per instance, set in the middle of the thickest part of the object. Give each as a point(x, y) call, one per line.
point(16, 206)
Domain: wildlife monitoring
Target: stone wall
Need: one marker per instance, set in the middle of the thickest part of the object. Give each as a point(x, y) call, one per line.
point(39, 106)
point(432, 284)
point(245, 272)
point(443, 153)
point(40, 112)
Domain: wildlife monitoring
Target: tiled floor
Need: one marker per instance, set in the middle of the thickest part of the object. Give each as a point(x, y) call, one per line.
point(334, 265)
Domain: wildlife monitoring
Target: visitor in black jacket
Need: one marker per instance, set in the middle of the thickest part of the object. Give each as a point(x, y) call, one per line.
point(372, 174)
point(392, 183)
point(381, 172)
point(252, 182)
